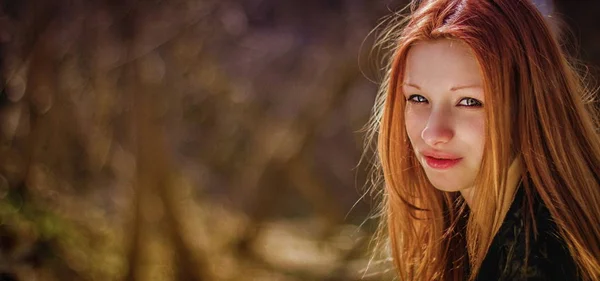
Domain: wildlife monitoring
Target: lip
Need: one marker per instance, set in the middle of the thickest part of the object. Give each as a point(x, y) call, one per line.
point(440, 160)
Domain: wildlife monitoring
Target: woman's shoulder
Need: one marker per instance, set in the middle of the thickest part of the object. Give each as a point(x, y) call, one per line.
point(517, 254)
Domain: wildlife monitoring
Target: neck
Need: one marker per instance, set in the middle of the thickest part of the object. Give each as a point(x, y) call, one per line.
point(512, 182)
point(467, 195)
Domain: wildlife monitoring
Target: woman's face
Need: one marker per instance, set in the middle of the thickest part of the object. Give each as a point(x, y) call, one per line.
point(444, 112)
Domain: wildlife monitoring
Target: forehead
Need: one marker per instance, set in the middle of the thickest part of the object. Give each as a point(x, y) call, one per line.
point(445, 61)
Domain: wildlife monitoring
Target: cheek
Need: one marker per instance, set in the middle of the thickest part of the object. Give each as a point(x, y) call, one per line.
point(475, 133)
point(415, 121)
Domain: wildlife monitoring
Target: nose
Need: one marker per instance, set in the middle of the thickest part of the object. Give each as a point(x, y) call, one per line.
point(438, 130)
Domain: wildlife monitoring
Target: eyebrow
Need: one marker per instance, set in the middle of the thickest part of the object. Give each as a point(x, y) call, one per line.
point(454, 88)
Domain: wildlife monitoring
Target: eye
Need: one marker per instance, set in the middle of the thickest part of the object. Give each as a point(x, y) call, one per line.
point(471, 102)
point(416, 99)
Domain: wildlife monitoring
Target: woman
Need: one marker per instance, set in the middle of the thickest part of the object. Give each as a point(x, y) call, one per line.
point(488, 147)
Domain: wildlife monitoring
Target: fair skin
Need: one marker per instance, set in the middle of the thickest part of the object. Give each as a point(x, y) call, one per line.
point(444, 114)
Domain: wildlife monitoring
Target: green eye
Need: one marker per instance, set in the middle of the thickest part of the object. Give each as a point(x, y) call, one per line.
point(470, 102)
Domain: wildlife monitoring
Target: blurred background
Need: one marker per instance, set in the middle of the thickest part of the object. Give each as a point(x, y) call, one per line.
point(197, 139)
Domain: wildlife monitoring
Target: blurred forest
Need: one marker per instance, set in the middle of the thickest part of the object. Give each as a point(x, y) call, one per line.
point(196, 139)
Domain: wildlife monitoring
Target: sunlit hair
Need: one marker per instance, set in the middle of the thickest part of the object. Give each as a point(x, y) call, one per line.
point(537, 111)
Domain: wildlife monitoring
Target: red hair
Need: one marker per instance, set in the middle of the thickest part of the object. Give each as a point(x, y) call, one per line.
point(537, 113)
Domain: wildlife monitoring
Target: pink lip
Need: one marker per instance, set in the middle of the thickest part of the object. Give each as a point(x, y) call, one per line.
point(441, 163)
point(440, 160)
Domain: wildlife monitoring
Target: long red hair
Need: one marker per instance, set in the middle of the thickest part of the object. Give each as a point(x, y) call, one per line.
point(537, 111)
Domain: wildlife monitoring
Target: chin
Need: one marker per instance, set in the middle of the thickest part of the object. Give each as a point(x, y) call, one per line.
point(446, 188)
point(447, 185)
point(451, 180)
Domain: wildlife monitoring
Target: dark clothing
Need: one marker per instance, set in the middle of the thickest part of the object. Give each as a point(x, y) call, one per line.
point(548, 256)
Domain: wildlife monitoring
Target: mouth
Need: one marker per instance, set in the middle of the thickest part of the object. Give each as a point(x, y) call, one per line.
point(441, 164)
point(439, 160)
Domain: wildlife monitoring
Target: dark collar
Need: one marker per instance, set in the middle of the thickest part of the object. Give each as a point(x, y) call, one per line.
point(515, 254)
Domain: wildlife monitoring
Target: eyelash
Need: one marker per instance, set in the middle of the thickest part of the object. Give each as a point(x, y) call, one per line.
point(411, 99)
